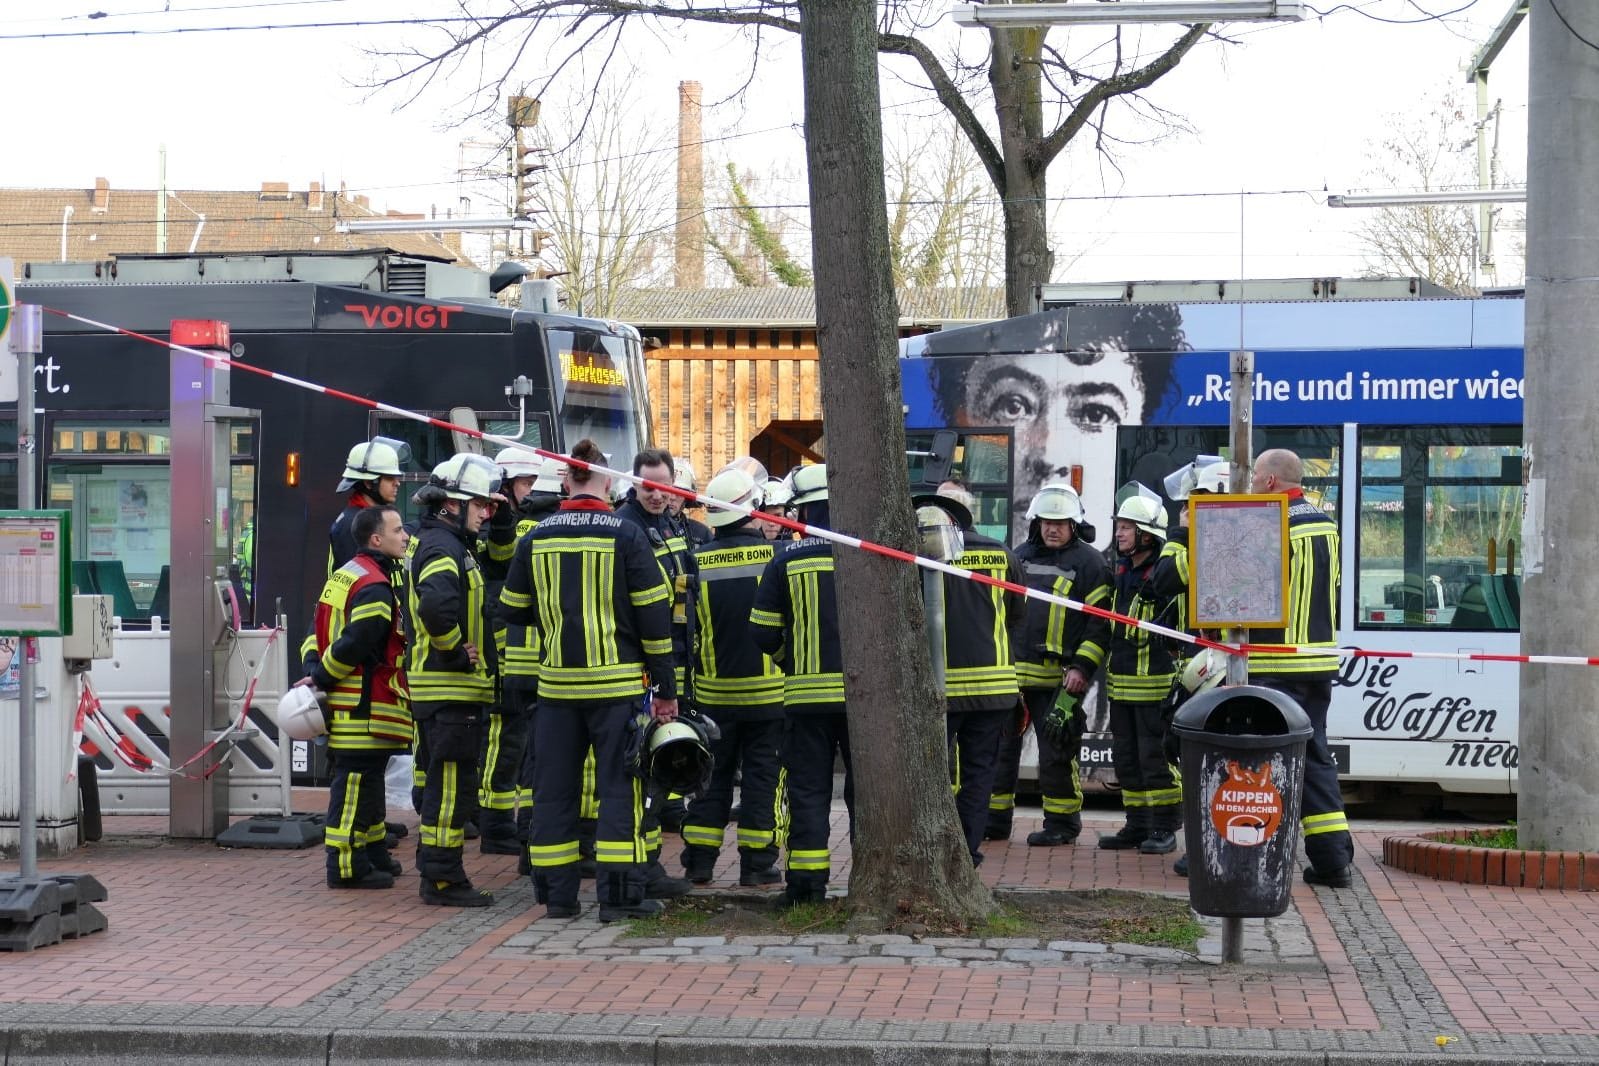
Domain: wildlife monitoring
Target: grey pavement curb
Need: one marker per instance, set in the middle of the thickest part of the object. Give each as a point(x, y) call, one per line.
point(63, 1046)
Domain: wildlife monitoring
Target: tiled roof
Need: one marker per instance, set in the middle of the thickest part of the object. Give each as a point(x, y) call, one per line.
point(793, 307)
point(273, 219)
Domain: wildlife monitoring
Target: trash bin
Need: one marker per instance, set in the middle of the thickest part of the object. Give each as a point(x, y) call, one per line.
point(1243, 764)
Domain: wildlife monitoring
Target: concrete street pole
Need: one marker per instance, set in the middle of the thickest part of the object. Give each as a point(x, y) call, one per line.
point(1559, 731)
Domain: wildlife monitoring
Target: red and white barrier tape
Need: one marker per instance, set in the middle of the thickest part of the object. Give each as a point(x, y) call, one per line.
point(828, 534)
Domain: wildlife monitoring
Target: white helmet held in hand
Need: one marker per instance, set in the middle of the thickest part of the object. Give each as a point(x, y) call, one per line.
point(1205, 671)
point(300, 714)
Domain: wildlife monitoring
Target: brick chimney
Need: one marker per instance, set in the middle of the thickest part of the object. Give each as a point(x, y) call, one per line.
point(275, 190)
point(313, 198)
point(689, 259)
point(102, 195)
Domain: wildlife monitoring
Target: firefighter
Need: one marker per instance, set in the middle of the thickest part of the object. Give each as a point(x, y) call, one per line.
point(505, 737)
point(359, 632)
point(1307, 679)
point(650, 510)
point(371, 478)
point(587, 580)
point(739, 687)
point(1150, 584)
point(795, 620)
point(981, 693)
point(1060, 649)
point(776, 502)
point(452, 666)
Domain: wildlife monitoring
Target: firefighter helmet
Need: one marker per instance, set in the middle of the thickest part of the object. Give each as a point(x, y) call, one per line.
point(677, 757)
point(1213, 478)
point(683, 474)
point(1142, 507)
point(808, 483)
point(778, 494)
point(732, 485)
point(952, 506)
point(300, 714)
point(552, 476)
point(519, 462)
point(464, 476)
point(1204, 671)
point(372, 459)
point(1056, 503)
point(939, 534)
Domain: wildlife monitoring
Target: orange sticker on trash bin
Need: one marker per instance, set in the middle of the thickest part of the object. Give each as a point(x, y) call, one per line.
point(1247, 808)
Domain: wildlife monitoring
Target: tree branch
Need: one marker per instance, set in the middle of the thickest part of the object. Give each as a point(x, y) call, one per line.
point(950, 96)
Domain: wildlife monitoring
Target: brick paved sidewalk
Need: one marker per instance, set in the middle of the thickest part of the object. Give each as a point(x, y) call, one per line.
point(217, 947)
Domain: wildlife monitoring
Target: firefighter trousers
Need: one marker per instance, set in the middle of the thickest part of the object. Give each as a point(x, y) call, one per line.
point(973, 738)
point(810, 743)
point(356, 807)
point(1328, 845)
point(751, 746)
point(451, 737)
point(563, 733)
point(500, 786)
point(1152, 791)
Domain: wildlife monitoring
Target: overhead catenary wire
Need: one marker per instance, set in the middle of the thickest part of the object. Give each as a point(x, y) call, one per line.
point(829, 535)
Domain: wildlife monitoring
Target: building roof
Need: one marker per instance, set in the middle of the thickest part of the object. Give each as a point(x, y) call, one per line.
point(102, 222)
point(790, 308)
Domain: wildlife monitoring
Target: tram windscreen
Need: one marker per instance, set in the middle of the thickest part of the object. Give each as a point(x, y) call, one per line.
point(595, 397)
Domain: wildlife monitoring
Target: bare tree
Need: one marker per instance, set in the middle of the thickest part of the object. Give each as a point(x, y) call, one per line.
point(1041, 98)
point(1430, 152)
point(750, 240)
point(912, 863)
point(945, 227)
point(603, 200)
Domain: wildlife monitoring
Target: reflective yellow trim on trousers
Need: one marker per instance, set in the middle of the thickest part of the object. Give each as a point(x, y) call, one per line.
point(1002, 801)
point(780, 820)
point(705, 836)
point(615, 851)
point(375, 834)
point(809, 860)
point(341, 838)
point(562, 854)
point(1331, 822)
point(443, 835)
point(486, 796)
point(1164, 797)
point(755, 838)
point(588, 806)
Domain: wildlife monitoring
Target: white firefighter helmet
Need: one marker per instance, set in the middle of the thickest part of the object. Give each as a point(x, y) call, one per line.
point(464, 476)
point(778, 494)
point(372, 459)
point(809, 484)
point(732, 485)
point(939, 533)
point(683, 474)
point(552, 475)
point(1183, 481)
point(1213, 478)
point(1056, 502)
point(300, 714)
point(677, 758)
point(1142, 508)
point(1204, 671)
point(519, 462)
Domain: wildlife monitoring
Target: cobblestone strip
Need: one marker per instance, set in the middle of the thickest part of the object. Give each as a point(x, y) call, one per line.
point(1396, 984)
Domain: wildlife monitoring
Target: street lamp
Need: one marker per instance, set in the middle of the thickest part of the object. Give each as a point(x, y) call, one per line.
point(1189, 12)
point(428, 225)
point(1423, 199)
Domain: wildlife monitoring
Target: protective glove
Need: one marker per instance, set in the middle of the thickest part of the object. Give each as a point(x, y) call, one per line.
point(1057, 726)
point(1020, 718)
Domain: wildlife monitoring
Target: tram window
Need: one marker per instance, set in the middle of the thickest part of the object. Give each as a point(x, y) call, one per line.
point(1440, 514)
point(982, 463)
point(431, 445)
point(1148, 453)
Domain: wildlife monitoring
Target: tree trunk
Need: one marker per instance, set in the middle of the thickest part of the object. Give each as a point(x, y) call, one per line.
point(1016, 74)
point(909, 855)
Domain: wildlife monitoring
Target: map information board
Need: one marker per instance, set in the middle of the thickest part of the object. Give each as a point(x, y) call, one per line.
point(35, 554)
point(1238, 561)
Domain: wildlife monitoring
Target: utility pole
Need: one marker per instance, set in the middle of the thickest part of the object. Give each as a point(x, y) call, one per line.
point(1559, 730)
point(1477, 77)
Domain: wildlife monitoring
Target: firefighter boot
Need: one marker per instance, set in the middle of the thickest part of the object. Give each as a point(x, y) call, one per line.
point(556, 888)
point(756, 869)
point(621, 894)
point(699, 863)
point(658, 884)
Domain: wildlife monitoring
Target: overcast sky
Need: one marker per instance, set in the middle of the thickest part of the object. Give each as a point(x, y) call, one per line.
point(1291, 107)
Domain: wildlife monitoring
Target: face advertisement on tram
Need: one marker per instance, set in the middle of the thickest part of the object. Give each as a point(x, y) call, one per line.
point(1407, 415)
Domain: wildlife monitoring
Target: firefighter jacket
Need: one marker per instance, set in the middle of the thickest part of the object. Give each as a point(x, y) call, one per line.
point(731, 672)
point(588, 581)
point(520, 648)
point(448, 611)
point(981, 623)
point(1141, 667)
point(1313, 576)
point(1055, 637)
point(669, 541)
point(359, 632)
point(795, 620)
point(341, 542)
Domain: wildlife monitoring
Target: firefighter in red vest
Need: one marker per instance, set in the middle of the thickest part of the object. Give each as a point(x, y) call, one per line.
point(359, 632)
